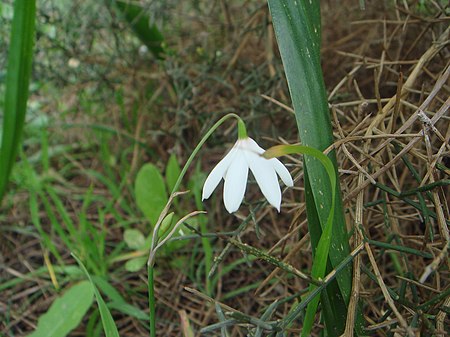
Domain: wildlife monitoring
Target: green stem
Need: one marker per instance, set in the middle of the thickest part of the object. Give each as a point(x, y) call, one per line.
point(151, 301)
point(150, 266)
point(202, 141)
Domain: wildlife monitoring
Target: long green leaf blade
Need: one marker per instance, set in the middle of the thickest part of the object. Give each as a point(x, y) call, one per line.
point(109, 327)
point(323, 246)
point(297, 29)
point(17, 80)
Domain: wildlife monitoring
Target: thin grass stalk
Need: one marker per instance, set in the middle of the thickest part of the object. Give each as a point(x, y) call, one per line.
point(17, 80)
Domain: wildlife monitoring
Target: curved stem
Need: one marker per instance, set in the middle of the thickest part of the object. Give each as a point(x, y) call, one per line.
point(155, 244)
point(200, 144)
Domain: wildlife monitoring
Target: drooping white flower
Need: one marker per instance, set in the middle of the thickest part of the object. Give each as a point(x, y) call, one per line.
point(233, 168)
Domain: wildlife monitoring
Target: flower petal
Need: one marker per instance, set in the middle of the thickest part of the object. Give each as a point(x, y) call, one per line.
point(250, 145)
point(216, 175)
point(282, 172)
point(235, 182)
point(266, 177)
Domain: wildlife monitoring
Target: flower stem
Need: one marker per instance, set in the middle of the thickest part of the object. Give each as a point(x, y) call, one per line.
point(241, 128)
point(151, 301)
point(150, 266)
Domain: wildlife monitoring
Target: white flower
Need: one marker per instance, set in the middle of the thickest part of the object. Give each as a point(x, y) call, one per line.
point(233, 168)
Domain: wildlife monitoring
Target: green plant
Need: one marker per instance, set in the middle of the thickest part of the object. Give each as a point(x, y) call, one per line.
point(66, 312)
point(17, 81)
point(151, 196)
point(139, 20)
point(53, 219)
point(298, 31)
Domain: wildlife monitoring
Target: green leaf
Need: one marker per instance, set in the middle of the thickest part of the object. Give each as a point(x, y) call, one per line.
point(107, 289)
point(173, 171)
point(136, 264)
point(109, 327)
point(297, 29)
point(117, 301)
point(66, 312)
point(134, 238)
point(128, 309)
point(139, 21)
point(166, 225)
point(322, 247)
point(150, 191)
point(18, 75)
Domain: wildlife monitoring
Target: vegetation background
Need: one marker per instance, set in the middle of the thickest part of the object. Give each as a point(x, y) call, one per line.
point(112, 116)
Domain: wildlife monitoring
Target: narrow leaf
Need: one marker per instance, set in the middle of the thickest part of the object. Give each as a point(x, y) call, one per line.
point(139, 21)
point(297, 29)
point(173, 171)
point(109, 327)
point(17, 80)
point(323, 246)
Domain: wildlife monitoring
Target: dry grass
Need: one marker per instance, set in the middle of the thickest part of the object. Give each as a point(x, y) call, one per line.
point(387, 71)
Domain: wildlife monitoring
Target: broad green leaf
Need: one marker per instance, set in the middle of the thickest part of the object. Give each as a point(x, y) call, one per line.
point(134, 238)
point(66, 312)
point(109, 327)
point(135, 264)
point(150, 191)
point(173, 171)
point(18, 74)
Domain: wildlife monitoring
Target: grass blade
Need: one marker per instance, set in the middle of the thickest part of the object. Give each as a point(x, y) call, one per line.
point(17, 81)
point(109, 327)
point(139, 21)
